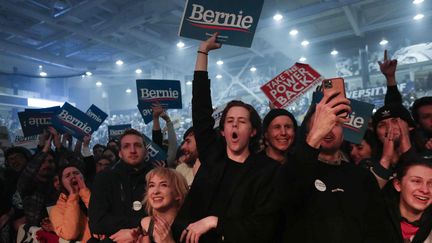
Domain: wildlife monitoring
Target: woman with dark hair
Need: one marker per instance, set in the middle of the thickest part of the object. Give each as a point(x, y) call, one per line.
point(362, 153)
point(69, 214)
point(409, 200)
point(229, 199)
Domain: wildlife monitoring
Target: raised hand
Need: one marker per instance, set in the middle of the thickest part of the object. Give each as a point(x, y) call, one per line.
point(325, 117)
point(388, 67)
point(157, 110)
point(210, 44)
point(388, 148)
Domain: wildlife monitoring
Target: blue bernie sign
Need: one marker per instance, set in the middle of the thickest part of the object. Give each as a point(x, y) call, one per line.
point(236, 21)
point(34, 121)
point(146, 113)
point(154, 152)
point(355, 128)
point(96, 114)
point(165, 92)
point(115, 131)
point(73, 121)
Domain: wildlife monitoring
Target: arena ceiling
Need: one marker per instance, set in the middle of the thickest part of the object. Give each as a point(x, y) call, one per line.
point(70, 37)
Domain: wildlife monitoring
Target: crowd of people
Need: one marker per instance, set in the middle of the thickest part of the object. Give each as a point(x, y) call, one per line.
point(248, 180)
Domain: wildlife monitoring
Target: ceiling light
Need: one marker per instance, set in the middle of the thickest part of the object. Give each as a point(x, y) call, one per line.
point(293, 32)
point(305, 43)
point(138, 71)
point(88, 73)
point(128, 91)
point(189, 82)
point(218, 76)
point(219, 62)
point(253, 69)
point(119, 62)
point(278, 17)
point(417, 1)
point(418, 17)
point(40, 66)
point(302, 59)
point(43, 74)
point(98, 83)
point(83, 76)
point(180, 44)
point(383, 42)
point(334, 53)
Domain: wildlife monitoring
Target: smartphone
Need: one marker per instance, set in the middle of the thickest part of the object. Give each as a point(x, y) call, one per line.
point(338, 85)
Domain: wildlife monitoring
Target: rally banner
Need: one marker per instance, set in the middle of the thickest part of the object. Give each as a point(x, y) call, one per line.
point(165, 92)
point(355, 128)
point(291, 84)
point(236, 21)
point(34, 121)
point(154, 152)
point(115, 131)
point(146, 113)
point(73, 121)
point(96, 114)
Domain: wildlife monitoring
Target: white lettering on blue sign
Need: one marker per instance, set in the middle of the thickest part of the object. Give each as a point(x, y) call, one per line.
point(95, 117)
point(150, 94)
point(64, 116)
point(209, 17)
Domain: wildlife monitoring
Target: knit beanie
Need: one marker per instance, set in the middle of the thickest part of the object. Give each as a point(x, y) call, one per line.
point(275, 113)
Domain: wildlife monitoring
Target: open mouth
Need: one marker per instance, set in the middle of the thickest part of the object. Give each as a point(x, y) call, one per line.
point(234, 135)
point(423, 199)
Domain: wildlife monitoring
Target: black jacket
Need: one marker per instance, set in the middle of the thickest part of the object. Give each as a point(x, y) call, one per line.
point(248, 216)
point(329, 203)
point(113, 192)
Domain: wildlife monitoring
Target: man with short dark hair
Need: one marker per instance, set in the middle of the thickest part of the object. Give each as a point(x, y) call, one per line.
point(191, 160)
point(115, 208)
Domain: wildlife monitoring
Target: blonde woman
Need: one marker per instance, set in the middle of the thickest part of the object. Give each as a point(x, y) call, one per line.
point(166, 191)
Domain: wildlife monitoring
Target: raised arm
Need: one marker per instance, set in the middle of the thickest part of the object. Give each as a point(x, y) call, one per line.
point(388, 69)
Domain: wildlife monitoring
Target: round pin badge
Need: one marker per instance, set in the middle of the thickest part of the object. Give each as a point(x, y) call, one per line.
point(319, 185)
point(136, 205)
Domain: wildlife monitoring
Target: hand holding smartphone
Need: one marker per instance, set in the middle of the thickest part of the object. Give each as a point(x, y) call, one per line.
point(335, 85)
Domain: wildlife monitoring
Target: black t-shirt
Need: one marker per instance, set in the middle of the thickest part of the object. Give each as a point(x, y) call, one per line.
point(221, 197)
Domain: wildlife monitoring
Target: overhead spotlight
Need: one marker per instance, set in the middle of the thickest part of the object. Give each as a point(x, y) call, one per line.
point(305, 43)
point(219, 62)
point(180, 44)
point(302, 59)
point(383, 42)
point(189, 82)
point(138, 71)
point(293, 32)
point(334, 53)
point(128, 91)
point(417, 1)
point(43, 74)
point(119, 62)
point(98, 83)
point(88, 73)
point(418, 17)
point(278, 17)
point(218, 76)
point(253, 69)
point(40, 66)
point(82, 76)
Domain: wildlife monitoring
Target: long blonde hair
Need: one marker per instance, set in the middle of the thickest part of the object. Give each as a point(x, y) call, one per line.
point(175, 180)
